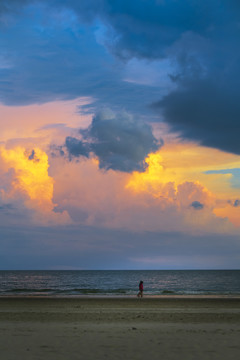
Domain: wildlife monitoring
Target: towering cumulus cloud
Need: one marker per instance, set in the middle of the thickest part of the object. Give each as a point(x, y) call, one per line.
point(31, 175)
point(120, 142)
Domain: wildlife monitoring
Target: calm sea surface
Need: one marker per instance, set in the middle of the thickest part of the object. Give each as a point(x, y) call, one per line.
point(156, 282)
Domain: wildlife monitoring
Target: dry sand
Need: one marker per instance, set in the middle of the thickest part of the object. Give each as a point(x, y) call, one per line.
point(120, 328)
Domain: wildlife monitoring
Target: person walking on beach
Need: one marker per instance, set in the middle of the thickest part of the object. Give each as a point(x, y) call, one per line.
point(140, 293)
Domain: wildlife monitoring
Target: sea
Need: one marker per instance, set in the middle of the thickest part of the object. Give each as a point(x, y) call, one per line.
point(78, 283)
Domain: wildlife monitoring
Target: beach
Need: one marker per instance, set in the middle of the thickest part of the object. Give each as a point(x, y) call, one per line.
point(120, 328)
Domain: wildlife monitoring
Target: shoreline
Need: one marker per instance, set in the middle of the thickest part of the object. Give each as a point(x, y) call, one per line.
point(127, 297)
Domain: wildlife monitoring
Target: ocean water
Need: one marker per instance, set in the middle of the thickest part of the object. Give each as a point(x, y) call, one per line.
point(119, 283)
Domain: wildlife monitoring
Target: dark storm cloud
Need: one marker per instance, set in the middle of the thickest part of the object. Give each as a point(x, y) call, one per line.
point(76, 147)
point(61, 59)
point(202, 40)
point(204, 107)
point(207, 111)
point(121, 142)
point(140, 28)
point(197, 205)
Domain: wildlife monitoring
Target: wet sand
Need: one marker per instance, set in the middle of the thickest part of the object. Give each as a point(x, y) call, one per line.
point(120, 328)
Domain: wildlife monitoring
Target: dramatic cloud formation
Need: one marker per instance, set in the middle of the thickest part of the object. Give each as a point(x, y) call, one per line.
point(29, 179)
point(31, 174)
point(152, 182)
point(120, 142)
point(65, 57)
point(202, 40)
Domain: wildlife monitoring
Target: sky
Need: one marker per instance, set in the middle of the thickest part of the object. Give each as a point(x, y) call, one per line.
point(119, 142)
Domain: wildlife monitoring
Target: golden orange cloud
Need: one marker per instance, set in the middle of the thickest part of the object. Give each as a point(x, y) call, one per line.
point(169, 182)
point(162, 195)
point(230, 212)
point(31, 174)
point(178, 174)
point(25, 129)
point(30, 177)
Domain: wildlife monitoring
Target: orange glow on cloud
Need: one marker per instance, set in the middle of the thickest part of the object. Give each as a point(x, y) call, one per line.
point(189, 162)
point(174, 179)
point(230, 212)
point(152, 177)
point(158, 179)
point(183, 166)
point(178, 163)
point(31, 175)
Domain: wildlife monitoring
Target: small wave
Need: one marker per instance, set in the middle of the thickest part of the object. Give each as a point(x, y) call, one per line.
point(86, 291)
point(71, 291)
point(98, 291)
point(168, 292)
point(27, 290)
